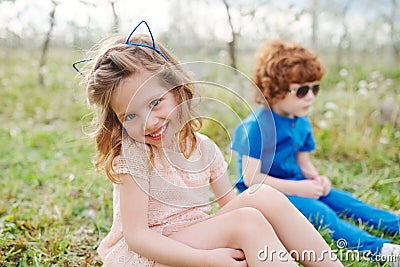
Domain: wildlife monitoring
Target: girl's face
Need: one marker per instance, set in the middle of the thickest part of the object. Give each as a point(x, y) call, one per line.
point(147, 110)
point(292, 106)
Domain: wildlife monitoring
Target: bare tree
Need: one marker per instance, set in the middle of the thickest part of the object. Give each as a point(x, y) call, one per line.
point(314, 23)
point(392, 51)
point(115, 26)
point(46, 43)
point(232, 43)
point(344, 37)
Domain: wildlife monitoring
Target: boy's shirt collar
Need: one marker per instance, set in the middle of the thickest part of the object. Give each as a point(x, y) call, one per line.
point(283, 118)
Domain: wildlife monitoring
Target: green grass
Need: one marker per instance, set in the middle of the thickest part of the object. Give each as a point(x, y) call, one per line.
point(54, 209)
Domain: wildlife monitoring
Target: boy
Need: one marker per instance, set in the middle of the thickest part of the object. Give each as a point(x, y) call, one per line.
point(288, 77)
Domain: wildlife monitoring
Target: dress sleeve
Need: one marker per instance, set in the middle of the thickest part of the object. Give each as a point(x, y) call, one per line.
point(214, 157)
point(219, 165)
point(133, 160)
point(120, 166)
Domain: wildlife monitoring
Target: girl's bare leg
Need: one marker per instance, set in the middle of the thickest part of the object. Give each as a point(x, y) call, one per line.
point(293, 229)
point(243, 228)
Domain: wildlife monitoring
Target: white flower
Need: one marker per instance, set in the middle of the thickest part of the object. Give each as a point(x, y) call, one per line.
point(341, 85)
point(343, 72)
point(372, 85)
point(384, 140)
point(322, 124)
point(375, 75)
point(363, 91)
point(331, 105)
point(362, 84)
point(329, 114)
point(388, 82)
point(350, 112)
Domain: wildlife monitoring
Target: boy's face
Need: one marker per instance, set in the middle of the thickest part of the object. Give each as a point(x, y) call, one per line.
point(293, 105)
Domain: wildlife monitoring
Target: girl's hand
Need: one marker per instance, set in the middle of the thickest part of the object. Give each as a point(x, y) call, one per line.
point(310, 188)
point(326, 184)
point(222, 257)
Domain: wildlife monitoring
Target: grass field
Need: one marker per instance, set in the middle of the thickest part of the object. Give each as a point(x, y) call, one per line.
point(54, 209)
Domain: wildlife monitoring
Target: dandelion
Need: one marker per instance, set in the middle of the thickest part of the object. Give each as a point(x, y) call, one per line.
point(350, 112)
point(340, 85)
point(328, 114)
point(363, 91)
point(362, 84)
point(343, 72)
point(322, 124)
point(375, 75)
point(331, 106)
point(372, 85)
point(388, 82)
point(89, 213)
point(384, 140)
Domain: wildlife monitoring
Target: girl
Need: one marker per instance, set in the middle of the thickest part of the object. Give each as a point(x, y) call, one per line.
point(161, 168)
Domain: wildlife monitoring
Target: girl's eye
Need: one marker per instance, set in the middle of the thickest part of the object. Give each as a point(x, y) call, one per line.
point(129, 117)
point(154, 103)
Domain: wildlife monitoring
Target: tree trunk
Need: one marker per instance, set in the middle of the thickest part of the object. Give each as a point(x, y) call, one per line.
point(232, 43)
point(45, 47)
point(343, 37)
point(115, 27)
point(314, 23)
point(391, 52)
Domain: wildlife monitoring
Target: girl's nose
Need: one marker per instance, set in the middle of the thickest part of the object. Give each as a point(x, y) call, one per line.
point(151, 122)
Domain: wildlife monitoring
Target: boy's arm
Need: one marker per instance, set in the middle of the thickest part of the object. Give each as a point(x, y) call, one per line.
point(252, 175)
point(310, 172)
point(307, 168)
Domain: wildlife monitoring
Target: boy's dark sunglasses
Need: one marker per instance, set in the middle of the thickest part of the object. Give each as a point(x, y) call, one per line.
point(302, 91)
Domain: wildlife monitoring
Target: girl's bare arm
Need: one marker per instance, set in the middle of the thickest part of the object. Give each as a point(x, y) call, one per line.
point(142, 240)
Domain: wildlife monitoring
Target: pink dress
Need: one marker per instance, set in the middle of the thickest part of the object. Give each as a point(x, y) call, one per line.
point(178, 189)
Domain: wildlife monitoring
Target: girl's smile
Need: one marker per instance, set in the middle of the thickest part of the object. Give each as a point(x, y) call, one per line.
point(159, 133)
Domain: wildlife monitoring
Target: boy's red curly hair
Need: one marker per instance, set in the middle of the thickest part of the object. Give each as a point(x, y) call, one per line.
point(278, 64)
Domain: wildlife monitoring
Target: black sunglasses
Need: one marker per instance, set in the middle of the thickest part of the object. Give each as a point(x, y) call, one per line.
point(302, 91)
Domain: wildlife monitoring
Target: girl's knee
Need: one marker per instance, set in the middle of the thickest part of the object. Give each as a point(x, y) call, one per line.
point(250, 218)
point(266, 194)
point(250, 225)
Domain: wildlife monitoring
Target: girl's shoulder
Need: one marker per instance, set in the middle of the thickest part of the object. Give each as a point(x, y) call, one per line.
point(206, 147)
point(204, 142)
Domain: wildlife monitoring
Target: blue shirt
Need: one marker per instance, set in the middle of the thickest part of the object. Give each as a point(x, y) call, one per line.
point(275, 140)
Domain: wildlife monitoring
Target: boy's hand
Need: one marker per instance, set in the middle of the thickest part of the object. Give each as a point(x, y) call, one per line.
point(310, 188)
point(326, 184)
